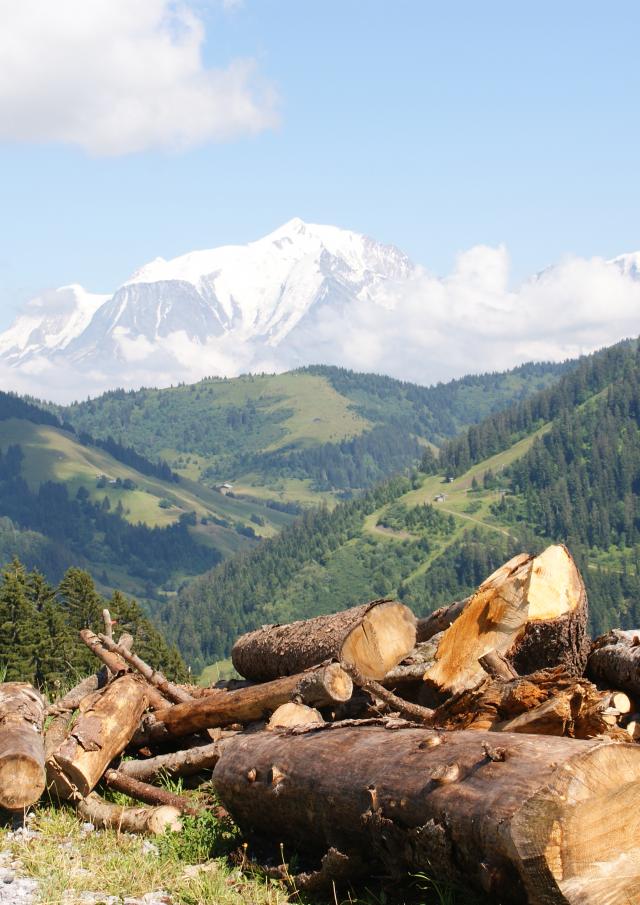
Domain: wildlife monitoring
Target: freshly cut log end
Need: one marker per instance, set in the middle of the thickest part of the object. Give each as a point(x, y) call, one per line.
point(533, 611)
point(374, 637)
point(384, 637)
point(547, 821)
point(287, 716)
point(22, 771)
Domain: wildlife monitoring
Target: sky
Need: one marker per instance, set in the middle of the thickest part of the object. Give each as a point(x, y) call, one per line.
point(434, 126)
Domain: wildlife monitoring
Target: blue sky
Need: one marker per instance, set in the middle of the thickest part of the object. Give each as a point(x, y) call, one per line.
point(430, 125)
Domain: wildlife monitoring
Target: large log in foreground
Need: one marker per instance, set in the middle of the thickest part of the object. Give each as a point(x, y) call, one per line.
point(22, 773)
point(532, 610)
point(100, 733)
point(543, 821)
point(318, 687)
point(374, 637)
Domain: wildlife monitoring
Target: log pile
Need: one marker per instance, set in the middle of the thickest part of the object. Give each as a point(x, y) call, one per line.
point(490, 744)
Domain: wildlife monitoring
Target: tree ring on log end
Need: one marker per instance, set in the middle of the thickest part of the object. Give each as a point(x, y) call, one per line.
point(20, 780)
point(581, 834)
point(380, 640)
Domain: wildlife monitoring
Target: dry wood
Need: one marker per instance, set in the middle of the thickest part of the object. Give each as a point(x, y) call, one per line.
point(632, 727)
point(153, 676)
point(439, 620)
point(547, 821)
point(553, 717)
point(497, 666)
point(322, 686)
point(116, 665)
point(532, 610)
point(619, 701)
point(177, 763)
point(108, 624)
point(105, 815)
point(615, 661)
point(408, 709)
point(374, 637)
point(288, 715)
point(22, 773)
point(143, 791)
point(60, 713)
point(99, 734)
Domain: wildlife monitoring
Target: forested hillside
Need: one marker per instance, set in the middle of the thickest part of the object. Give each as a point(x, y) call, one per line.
point(564, 465)
point(302, 434)
point(39, 627)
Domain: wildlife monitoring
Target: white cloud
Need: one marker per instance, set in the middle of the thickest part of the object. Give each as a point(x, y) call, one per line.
point(120, 76)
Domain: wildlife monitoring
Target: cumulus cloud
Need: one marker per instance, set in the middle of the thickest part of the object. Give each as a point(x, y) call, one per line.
point(429, 329)
point(116, 77)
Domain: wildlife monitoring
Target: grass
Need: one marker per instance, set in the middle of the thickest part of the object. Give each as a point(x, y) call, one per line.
point(191, 867)
point(54, 455)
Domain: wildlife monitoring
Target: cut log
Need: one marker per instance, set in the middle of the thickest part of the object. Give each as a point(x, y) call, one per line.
point(619, 701)
point(99, 734)
point(374, 637)
point(320, 687)
point(22, 772)
point(289, 715)
point(439, 620)
point(615, 661)
point(178, 763)
point(60, 713)
point(547, 821)
point(533, 611)
point(143, 791)
point(153, 676)
point(105, 815)
point(553, 717)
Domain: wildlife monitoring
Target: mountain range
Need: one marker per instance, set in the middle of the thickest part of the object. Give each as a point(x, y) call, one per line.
point(301, 295)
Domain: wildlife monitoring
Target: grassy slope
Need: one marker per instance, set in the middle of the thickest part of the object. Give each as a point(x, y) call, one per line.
point(199, 431)
point(55, 455)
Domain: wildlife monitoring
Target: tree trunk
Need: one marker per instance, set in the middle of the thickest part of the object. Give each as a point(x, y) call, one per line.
point(105, 815)
point(374, 637)
point(116, 664)
point(153, 676)
point(615, 661)
point(544, 821)
point(100, 733)
point(143, 791)
point(319, 687)
point(178, 763)
point(533, 611)
point(60, 713)
point(22, 773)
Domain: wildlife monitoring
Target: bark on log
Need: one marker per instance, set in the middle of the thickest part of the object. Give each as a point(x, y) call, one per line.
point(153, 676)
point(143, 791)
point(615, 660)
point(178, 763)
point(116, 664)
point(100, 733)
point(374, 637)
point(60, 713)
point(533, 611)
point(22, 773)
point(320, 687)
point(105, 815)
point(546, 821)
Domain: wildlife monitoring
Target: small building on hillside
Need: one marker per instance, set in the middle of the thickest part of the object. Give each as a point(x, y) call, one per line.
point(439, 498)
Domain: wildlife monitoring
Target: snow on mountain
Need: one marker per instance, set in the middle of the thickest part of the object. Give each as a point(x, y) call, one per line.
point(256, 293)
point(49, 323)
point(628, 264)
point(311, 294)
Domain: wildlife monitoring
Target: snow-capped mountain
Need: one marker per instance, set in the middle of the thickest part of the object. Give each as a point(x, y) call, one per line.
point(310, 294)
point(256, 293)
